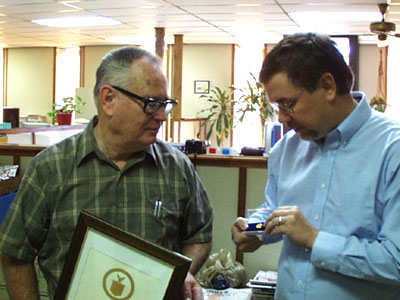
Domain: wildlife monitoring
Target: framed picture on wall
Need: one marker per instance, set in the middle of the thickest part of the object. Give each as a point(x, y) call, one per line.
point(201, 86)
point(105, 262)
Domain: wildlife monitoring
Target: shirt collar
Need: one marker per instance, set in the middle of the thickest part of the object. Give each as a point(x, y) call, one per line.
point(88, 145)
point(87, 142)
point(354, 120)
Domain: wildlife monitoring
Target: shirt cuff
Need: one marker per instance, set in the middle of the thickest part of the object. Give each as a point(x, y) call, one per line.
point(326, 251)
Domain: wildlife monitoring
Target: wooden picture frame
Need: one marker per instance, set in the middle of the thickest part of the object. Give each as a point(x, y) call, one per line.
point(201, 86)
point(105, 262)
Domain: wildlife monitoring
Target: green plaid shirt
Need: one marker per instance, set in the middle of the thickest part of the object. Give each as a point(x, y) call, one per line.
point(74, 175)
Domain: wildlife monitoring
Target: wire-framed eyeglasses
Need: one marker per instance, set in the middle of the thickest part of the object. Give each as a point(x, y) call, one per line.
point(151, 105)
point(287, 104)
point(287, 107)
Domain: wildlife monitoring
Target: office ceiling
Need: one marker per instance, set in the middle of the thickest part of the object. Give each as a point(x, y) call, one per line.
point(200, 21)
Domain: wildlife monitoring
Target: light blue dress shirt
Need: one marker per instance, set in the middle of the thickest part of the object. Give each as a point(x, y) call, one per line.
point(349, 188)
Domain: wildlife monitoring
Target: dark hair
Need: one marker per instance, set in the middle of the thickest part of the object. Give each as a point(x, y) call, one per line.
point(116, 66)
point(304, 57)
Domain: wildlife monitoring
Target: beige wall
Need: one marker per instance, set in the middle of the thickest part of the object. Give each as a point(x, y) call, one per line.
point(93, 57)
point(204, 62)
point(221, 185)
point(368, 70)
point(30, 80)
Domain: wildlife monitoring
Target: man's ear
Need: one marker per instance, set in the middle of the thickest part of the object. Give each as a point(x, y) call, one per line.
point(107, 99)
point(328, 84)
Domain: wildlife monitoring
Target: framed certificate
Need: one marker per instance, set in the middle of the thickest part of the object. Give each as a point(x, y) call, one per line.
point(201, 86)
point(105, 262)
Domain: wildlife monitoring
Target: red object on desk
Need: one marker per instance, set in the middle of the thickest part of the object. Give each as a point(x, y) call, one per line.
point(64, 118)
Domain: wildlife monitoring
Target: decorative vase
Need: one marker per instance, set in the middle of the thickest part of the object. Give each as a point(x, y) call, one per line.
point(64, 118)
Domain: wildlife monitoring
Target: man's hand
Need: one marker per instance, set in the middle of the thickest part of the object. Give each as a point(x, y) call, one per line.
point(290, 220)
point(191, 288)
point(244, 242)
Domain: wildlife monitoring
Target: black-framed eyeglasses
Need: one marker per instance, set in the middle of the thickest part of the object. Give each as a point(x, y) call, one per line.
point(151, 105)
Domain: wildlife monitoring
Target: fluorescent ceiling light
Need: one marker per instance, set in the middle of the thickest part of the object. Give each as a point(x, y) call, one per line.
point(303, 17)
point(76, 22)
point(3, 45)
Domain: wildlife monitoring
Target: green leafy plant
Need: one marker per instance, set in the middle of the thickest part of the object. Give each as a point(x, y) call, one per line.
point(378, 103)
point(68, 106)
point(253, 99)
point(219, 114)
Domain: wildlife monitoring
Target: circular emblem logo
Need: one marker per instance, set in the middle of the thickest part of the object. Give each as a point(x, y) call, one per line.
point(118, 284)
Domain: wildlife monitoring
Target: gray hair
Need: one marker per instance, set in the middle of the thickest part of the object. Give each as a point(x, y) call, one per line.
point(115, 67)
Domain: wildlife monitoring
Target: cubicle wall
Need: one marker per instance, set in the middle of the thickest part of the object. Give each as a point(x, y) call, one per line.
point(222, 185)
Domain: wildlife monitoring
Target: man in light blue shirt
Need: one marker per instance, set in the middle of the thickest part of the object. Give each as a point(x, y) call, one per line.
point(334, 180)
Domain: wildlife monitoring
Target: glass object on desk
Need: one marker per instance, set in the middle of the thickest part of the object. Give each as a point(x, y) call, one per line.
point(258, 226)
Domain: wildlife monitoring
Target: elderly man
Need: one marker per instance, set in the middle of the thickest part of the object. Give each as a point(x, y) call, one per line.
point(117, 170)
point(334, 180)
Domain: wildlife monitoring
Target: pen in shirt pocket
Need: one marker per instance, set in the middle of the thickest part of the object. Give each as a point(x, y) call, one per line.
point(157, 208)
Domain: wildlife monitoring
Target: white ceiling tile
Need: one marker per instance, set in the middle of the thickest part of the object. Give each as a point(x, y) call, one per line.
point(231, 9)
point(19, 2)
point(330, 8)
point(206, 20)
point(330, 2)
point(107, 4)
point(31, 8)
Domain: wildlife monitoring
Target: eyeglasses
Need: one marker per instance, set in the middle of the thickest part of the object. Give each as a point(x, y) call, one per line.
point(286, 106)
point(151, 105)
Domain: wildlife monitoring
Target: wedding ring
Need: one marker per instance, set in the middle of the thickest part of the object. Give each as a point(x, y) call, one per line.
point(280, 220)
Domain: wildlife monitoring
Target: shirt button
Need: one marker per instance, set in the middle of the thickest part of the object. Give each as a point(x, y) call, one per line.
point(323, 185)
point(323, 264)
point(316, 218)
point(344, 143)
point(299, 283)
point(306, 250)
point(328, 153)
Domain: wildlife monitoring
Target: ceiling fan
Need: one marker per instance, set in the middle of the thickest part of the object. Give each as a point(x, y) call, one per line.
point(383, 28)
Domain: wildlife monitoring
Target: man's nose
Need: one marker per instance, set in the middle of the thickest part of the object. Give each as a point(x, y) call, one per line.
point(283, 116)
point(160, 114)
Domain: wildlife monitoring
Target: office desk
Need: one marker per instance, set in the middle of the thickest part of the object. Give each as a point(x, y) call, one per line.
point(31, 149)
point(242, 163)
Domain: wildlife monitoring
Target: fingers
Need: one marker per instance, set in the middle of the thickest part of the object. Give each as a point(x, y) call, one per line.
point(241, 223)
point(250, 243)
point(197, 293)
point(191, 289)
point(275, 225)
point(244, 242)
point(278, 221)
point(282, 211)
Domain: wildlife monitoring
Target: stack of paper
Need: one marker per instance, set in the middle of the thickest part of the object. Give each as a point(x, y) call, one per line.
point(227, 294)
point(263, 285)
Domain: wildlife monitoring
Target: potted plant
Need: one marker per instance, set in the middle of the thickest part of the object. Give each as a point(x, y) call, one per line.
point(62, 113)
point(254, 99)
point(378, 103)
point(219, 114)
